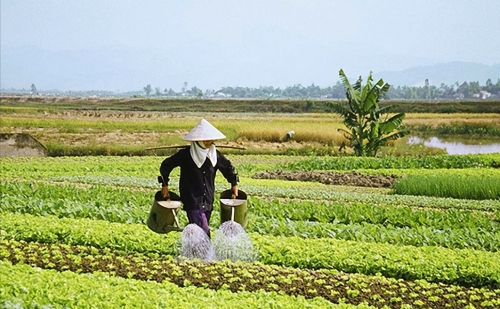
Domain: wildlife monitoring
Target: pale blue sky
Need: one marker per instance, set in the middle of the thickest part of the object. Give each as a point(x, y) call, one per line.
point(240, 42)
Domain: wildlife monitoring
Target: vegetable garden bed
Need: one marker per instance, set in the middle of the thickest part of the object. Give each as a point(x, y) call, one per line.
point(69, 220)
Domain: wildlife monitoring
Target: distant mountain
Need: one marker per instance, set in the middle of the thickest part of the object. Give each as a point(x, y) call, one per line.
point(447, 73)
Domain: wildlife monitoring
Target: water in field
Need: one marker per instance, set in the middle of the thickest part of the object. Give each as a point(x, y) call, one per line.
point(231, 242)
point(195, 244)
point(456, 146)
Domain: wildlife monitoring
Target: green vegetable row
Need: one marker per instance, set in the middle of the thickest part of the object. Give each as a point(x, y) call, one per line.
point(477, 187)
point(374, 213)
point(94, 202)
point(461, 267)
point(147, 166)
point(120, 197)
point(26, 287)
point(38, 168)
point(465, 267)
point(406, 162)
point(354, 221)
point(237, 277)
point(449, 237)
point(453, 238)
point(324, 194)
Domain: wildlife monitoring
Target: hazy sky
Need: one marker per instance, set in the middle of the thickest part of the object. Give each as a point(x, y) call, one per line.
point(214, 43)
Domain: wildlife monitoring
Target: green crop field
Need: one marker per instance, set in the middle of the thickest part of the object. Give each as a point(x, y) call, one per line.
point(412, 228)
point(71, 225)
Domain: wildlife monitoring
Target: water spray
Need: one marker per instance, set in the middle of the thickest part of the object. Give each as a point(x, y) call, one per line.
point(231, 241)
point(195, 244)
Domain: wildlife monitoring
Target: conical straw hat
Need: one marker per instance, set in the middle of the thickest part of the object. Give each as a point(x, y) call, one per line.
point(204, 131)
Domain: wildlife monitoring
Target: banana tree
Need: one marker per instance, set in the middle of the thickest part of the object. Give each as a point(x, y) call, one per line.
point(369, 127)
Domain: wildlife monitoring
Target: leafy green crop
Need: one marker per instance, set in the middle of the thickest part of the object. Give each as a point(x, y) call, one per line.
point(482, 187)
point(411, 243)
point(461, 267)
point(356, 163)
point(239, 276)
point(27, 287)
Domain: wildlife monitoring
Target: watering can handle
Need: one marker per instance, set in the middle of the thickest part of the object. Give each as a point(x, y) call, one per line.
point(165, 193)
point(164, 188)
point(235, 191)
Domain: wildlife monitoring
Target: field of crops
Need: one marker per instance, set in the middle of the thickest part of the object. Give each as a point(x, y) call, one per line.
point(98, 129)
point(73, 235)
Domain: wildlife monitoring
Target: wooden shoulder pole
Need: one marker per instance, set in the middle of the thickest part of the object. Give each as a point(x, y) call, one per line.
point(183, 146)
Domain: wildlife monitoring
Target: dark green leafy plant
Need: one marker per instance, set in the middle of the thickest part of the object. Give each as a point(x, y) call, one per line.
point(368, 125)
point(331, 285)
point(465, 267)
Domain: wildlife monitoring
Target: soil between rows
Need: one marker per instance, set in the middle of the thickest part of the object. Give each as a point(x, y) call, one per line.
point(345, 179)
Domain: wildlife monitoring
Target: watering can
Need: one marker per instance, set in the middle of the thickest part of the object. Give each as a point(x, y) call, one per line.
point(234, 209)
point(163, 214)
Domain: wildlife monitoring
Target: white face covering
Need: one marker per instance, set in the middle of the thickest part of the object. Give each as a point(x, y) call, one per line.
point(199, 153)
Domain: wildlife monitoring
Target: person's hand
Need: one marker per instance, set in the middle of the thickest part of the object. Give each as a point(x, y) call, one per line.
point(164, 192)
point(235, 192)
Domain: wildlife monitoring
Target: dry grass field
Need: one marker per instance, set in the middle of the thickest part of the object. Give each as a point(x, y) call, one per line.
point(83, 132)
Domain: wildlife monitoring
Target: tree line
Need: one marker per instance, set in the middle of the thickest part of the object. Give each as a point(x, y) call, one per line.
point(466, 90)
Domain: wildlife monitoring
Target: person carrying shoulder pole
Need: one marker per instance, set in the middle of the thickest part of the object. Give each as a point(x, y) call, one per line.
point(199, 163)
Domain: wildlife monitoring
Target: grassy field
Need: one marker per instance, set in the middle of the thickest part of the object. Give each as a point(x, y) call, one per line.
point(264, 105)
point(87, 132)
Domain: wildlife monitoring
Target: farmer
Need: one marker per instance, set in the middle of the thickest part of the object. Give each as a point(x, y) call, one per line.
point(198, 164)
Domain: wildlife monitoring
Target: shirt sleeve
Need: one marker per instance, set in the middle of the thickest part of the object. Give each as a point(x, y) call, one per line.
point(168, 165)
point(227, 169)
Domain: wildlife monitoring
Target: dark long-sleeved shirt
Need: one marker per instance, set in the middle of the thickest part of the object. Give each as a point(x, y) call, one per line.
point(197, 185)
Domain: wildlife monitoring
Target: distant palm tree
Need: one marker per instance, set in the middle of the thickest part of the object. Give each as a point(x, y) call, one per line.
point(367, 130)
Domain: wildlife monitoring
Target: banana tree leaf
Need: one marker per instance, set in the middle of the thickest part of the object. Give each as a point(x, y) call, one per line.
point(392, 123)
point(386, 109)
point(359, 83)
point(347, 134)
point(393, 136)
point(367, 88)
point(352, 91)
point(375, 92)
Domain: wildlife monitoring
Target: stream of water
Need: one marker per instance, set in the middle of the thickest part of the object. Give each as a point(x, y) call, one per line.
point(195, 244)
point(231, 242)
